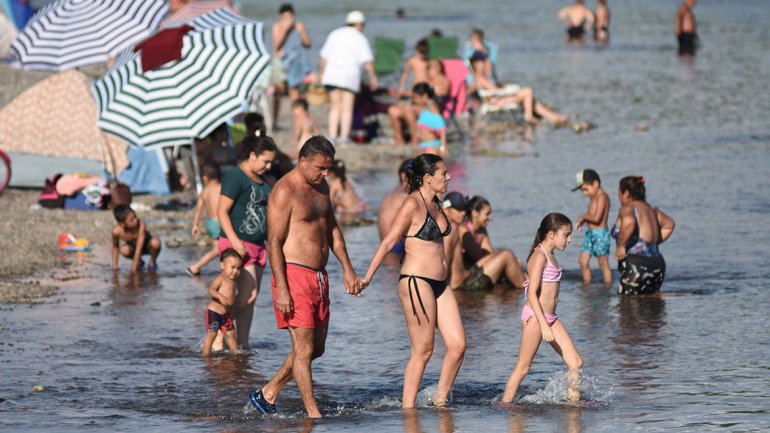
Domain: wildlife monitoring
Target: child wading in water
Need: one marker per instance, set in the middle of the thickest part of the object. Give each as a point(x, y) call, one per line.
point(596, 242)
point(137, 240)
point(542, 293)
point(207, 200)
point(222, 292)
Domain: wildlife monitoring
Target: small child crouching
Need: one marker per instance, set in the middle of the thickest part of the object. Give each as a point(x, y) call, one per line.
point(137, 241)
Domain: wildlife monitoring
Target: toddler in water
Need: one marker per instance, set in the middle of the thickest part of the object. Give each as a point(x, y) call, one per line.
point(137, 240)
point(207, 200)
point(538, 317)
point(596, 242)
point(222, 292)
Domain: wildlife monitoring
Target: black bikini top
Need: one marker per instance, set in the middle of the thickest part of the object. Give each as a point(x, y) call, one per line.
point(430, 230)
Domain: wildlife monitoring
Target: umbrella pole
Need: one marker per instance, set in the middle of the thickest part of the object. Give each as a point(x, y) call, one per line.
point(196, 168)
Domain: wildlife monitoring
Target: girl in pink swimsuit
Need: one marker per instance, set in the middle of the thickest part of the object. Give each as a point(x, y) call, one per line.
point(542, 293)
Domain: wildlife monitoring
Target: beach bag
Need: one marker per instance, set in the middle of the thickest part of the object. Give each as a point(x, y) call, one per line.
point(119, 194)
point(48, 197)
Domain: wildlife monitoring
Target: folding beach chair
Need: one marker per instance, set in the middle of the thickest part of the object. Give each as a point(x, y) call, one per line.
point(388, 55)
point(456, 72)
point(442, 47)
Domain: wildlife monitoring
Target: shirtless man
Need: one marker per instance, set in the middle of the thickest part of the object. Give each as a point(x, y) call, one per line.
point(685, 29)
point(417, 65)
point(282, 29)
point(486, 272)
point(602, 24)
point(388, 208)
point(404, 111)
point(577, 18)
point(301, 230)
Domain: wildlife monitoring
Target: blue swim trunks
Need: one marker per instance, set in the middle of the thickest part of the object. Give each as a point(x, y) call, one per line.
point(597, 242)
point(213, 228)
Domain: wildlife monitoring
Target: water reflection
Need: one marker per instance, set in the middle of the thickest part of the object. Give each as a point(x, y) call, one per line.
point(411, 419)
point(637, 341)
point(564, 419)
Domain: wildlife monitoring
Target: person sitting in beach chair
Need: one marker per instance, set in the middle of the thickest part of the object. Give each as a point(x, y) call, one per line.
point(490, 96)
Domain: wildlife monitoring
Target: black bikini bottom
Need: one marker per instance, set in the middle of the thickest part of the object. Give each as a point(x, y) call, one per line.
point(437, 286)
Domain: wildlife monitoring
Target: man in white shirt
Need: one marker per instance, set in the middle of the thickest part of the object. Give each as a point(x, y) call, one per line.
point(346, 49)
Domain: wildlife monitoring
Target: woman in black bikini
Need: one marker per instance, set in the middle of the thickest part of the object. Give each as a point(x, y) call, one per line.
point(423, 281)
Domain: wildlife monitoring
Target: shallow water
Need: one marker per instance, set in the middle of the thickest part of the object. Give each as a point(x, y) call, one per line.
point(695, 359)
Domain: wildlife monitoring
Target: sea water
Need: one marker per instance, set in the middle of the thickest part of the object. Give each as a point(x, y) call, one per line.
point(694, 359)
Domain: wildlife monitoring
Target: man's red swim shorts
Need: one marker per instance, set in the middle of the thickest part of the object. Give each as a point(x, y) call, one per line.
point(309, 289)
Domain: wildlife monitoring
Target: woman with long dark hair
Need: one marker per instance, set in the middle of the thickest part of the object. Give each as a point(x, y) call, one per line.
point(422, 285)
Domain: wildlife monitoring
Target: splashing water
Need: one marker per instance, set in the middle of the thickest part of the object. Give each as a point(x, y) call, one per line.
point(555, 391)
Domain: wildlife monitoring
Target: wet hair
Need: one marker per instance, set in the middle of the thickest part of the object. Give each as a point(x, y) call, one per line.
point(436, 33)
point(423, 89)
point(417, 168)
point(255, 122)
point(422, 47)
point(257, 146)
point(211, 170)
point(300, 102)
point(478, 32)
point(551, 223)
point(635, 187)
point(338, 168)
point(230, 252)
point(121, 212)
point(286, 7)
point(317, 145)
point(476, 203)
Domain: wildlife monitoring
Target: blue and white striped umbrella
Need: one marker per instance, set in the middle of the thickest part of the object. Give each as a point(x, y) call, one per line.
point(68, 34)
point(185, 98)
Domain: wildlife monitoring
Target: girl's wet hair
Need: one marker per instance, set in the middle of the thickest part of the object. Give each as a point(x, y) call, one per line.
point(416, 169)
point(338, 168)
point(476, 203)
point(551, 223)
point(634, 185)
point(257, 146)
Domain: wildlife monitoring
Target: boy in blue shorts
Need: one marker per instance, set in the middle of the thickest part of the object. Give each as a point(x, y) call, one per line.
point(596, 242)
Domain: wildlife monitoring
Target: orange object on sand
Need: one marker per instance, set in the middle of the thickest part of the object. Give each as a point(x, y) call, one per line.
point(69, 242)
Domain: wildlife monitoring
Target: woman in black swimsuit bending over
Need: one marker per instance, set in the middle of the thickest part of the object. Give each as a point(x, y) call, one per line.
point(423, 281)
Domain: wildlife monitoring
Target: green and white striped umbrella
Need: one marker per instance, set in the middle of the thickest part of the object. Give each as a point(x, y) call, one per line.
point(184, 98)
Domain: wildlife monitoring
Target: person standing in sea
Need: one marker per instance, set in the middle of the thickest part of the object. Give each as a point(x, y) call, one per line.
point(301, 231)
point(685, 28)
point(241, 211)
point(422, 285)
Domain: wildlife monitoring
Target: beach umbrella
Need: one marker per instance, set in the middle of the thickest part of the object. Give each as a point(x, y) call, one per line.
point(195, 9)
point(150, 100)
point(57, 117)
point(69, 34)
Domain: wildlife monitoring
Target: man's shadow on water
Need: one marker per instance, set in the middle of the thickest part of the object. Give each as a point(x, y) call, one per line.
point(637, 340)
